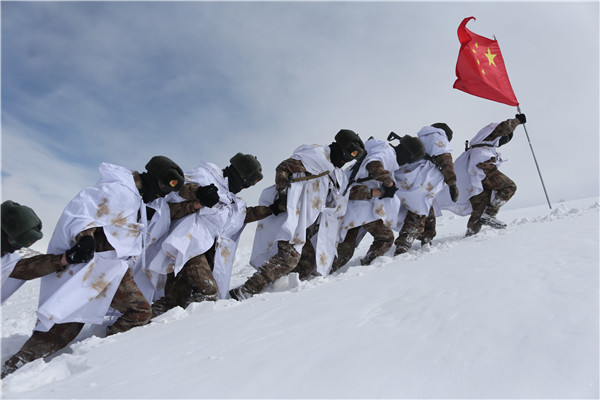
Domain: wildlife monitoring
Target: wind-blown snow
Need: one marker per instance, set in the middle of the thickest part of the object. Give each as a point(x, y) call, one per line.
point(503, 314)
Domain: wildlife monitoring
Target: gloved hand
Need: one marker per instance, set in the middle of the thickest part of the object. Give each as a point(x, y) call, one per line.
point(208, 195)
point(521, 117)
point(280, 203)
point(388, 191)
point(82, 251)
point(453, 192)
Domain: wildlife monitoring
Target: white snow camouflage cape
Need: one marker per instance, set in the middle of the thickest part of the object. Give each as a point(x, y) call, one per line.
point(306, 201)
point(196, 233)
point(468, 175)
point(83, 292)
point(361, 212)
point(9, 285)
point(420, 182)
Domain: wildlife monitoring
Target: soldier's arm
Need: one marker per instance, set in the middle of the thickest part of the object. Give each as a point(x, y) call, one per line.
point(284, 170)
point(38, 266)
point(446, 166)
point(187, 207)
point(257, 213)
point(379, 173)
point(361, 192)
point(504, 128)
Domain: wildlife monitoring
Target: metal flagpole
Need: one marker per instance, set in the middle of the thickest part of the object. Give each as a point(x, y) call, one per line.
point(535, 160)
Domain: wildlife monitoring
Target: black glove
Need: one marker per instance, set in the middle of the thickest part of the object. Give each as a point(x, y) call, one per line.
point(388, 191)
point(208, 195)
point(453, 192)
point(280, 203)
point(82, 252)
point(521, 117)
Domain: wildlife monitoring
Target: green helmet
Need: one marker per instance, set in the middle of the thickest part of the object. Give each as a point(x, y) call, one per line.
point(168, 174)
point(445, 128)
point(351, 144)
point(20, 223)
point(248, 167)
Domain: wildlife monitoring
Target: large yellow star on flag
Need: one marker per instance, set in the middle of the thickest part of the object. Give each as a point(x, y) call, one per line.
point(491, 57)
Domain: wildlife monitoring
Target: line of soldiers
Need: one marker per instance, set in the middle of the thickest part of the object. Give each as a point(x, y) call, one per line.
point(138, 244)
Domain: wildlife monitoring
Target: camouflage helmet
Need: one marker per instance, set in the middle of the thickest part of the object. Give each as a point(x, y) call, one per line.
point(248, 167)
point(445, 128)
point(20, 223)
point(168, 174)
point(409, 150)
point(351, 144)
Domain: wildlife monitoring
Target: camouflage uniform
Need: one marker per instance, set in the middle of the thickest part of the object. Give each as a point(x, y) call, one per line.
point(37, 266)
point(128, 300)
point(422, 227)
point(383, 236)
point(494, 180)
point(195, 282)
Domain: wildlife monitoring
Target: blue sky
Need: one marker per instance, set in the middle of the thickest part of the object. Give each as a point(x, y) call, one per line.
point(91, 82)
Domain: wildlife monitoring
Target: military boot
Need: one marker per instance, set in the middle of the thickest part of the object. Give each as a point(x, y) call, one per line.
point(161, 306)
point(254, 285)
point(368, 258)
point(491, 221)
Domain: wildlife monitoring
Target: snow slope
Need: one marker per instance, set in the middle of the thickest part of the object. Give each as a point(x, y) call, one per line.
point(504, 314)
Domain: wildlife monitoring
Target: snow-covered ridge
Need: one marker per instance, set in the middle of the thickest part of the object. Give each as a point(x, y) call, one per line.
point(510, 313)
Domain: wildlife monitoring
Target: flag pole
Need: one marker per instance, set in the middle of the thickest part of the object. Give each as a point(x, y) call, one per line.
point(535, 160)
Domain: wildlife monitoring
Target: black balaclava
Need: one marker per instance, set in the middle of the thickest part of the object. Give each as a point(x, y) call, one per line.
point(8, 246)
point(235, 181)
point(150, 188)
point(337, 155)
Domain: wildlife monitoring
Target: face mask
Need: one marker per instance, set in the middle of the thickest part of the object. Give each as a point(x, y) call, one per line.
point(9, 246)
point(235, 182)
point(403, 156)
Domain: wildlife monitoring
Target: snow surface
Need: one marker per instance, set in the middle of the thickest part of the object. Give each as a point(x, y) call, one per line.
point(504, 314)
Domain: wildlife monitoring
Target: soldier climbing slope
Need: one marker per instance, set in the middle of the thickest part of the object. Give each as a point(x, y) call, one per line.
point(483, 188)
point(418, 184)
point(309, 199)
point(372, 206)
point(110, 217)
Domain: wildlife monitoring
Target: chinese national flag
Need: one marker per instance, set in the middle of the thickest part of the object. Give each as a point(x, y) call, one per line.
point(480, 68)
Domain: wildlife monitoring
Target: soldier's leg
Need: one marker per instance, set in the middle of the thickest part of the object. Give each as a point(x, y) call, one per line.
point(411, 229)
point(429, 231)
point(177, 293)
point(277, 266)
point(505, 189)
point(383, 238)
point(198, 273)
point(42, 344)
point(130, 301)
point(345, 249)
point(478, 203)
point(307, 265)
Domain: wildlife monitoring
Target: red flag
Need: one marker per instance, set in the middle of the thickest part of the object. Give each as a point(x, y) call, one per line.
point(480, 68)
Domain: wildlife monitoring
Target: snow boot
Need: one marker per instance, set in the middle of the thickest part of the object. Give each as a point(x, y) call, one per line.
point(368, 258)
point(491, 221)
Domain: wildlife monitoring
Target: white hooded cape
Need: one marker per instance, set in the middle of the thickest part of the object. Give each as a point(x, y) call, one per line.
point(318, 200)
point(9, 285)
point(196, 233)
point(361, 212)
point(83, 292)
point(420, 182)
point(468, 175)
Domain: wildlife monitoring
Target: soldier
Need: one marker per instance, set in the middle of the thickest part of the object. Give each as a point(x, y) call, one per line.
point(196, 257)
point(372, 206)
point(110, 218)
point(309, 200)
point(484, 189)
point(21, 227)
point(419, 183)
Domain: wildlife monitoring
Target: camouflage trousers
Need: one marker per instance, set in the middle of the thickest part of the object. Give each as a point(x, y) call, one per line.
point(415, 226)
point(383, 238)
point(482, 203)
point(128, 299)
point(194, 283)
point(282, 263)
